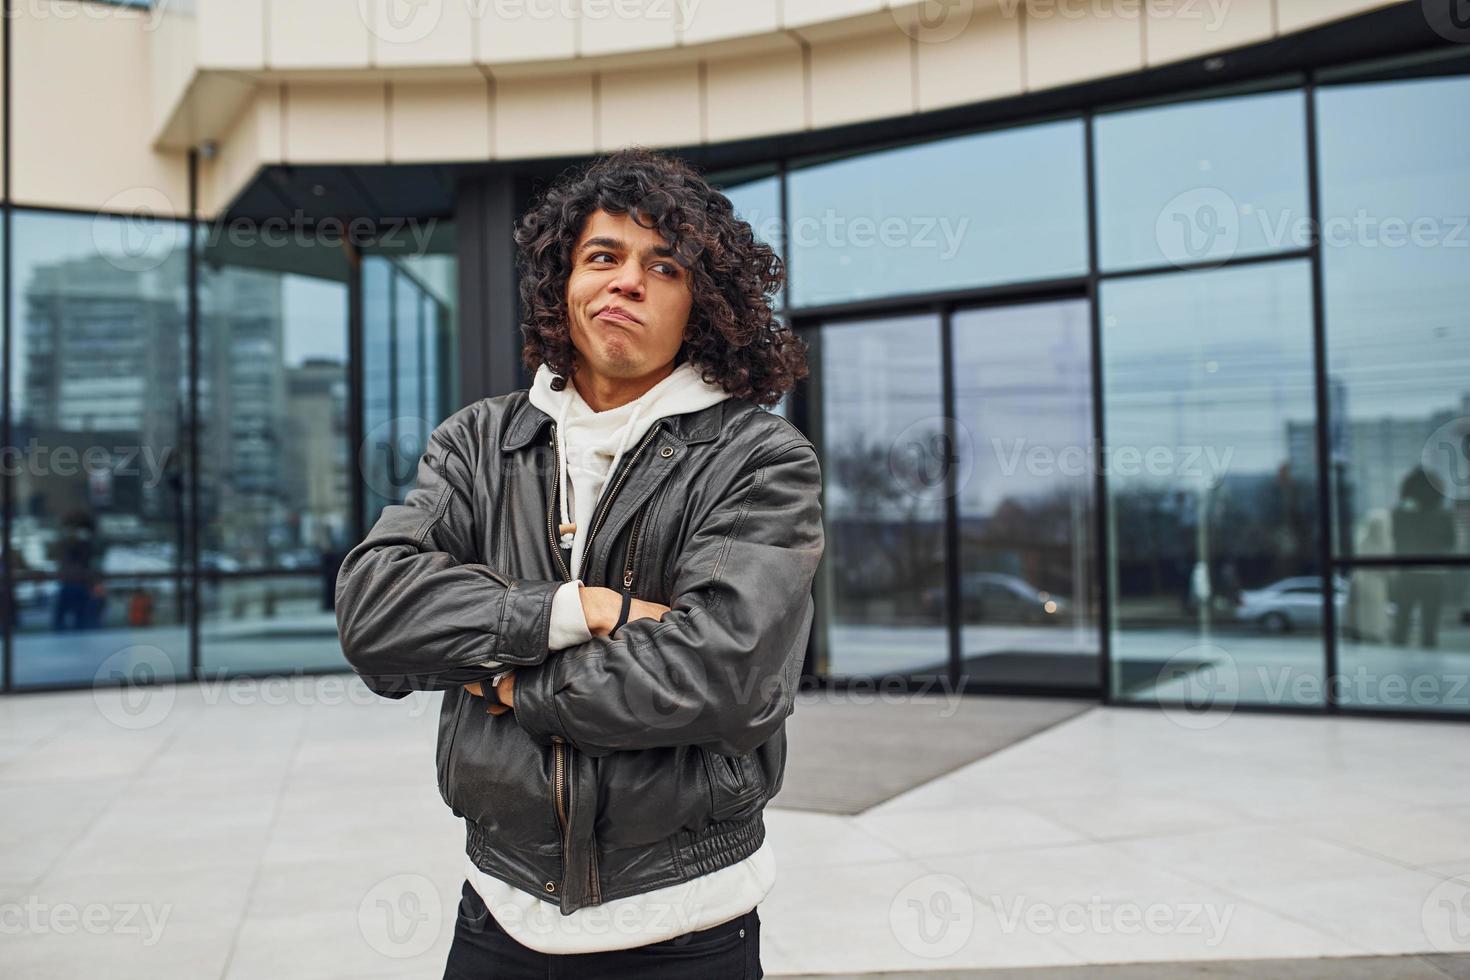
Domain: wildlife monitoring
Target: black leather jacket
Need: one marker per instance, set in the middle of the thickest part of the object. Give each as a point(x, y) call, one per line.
point(628, 763)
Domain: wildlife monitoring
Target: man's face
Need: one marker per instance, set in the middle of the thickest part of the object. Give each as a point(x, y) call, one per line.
point(628, 301)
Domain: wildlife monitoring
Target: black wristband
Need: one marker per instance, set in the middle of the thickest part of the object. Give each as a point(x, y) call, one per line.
point(623, 613)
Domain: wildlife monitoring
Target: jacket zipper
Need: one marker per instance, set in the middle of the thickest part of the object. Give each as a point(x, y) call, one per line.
point(632, 549)
point(560, 788)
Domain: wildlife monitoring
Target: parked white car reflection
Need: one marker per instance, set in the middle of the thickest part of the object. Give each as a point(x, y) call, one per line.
point(1290, 604)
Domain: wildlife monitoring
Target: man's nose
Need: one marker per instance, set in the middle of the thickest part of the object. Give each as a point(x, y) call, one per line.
point(629, 280)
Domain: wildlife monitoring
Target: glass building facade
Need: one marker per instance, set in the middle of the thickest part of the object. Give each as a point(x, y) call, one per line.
point(1162, 403)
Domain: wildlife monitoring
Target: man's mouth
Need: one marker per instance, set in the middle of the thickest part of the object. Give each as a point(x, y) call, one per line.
point(617, 316)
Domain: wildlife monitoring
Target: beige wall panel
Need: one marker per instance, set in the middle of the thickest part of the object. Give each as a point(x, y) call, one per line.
point(76, 143)
point(544, 117)
point(1068, 41)
point(862, 78)
point(434, 33)
point(336, 123)
point(231, 33)
point(620, 26)
point(317, 34)
point(659, 107)
point(519, 30)
point(799, 13)
point(754, 95)
point(431, 121)
point(254, 141)
point(1180, 29)
point(718, 20)
point(172, 58)
point(974, 57)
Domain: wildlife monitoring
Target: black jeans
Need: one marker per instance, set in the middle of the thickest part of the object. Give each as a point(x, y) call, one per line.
point(482, 950)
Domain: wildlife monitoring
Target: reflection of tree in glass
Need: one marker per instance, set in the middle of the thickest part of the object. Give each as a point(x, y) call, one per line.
point(1263, 524)
point(888, 542)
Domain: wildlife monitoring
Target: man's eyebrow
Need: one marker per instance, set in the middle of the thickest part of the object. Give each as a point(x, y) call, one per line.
point(618, 245)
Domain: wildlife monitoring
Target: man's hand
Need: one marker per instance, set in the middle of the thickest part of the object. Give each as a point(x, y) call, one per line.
point(601, 607)
point(503, 691)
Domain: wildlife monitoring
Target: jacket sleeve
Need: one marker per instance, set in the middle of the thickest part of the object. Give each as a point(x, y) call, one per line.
point(415, 609)
point(720, 669)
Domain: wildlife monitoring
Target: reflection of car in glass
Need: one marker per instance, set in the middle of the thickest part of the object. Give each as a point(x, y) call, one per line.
point(994, 597)
point(1292, 603)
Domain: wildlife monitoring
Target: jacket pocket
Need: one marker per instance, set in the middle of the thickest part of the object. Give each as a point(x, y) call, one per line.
point(451, 710)
point(502, 780)
point(734, 790)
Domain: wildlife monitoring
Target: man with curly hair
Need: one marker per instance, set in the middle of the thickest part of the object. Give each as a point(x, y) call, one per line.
point(618, 639)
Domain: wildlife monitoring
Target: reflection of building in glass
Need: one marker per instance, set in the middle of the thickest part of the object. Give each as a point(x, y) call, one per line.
point(242, 408)
point(100, 402)
point(1371, 459)
point(316, 476)
point(274, 467)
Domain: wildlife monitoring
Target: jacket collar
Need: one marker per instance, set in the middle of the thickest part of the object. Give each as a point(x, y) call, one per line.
point(703, 425)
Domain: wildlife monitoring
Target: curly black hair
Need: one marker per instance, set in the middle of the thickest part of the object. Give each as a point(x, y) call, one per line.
point(734, 337)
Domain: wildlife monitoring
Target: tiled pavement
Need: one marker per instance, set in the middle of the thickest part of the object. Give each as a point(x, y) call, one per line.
point(280, 831)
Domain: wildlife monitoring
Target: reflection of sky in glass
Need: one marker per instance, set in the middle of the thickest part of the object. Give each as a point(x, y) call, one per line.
point(1250, 147)
point(879, 377)
point(314, 311)
point(1398, 329)
point(969, 211)
point(759, 204)
point(1220, 358)
point(1023, 386)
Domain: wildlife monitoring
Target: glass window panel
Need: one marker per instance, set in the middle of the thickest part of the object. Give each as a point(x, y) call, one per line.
point(1404, 638)
point(275, 623)
point(410, 372)
point(275, 462)
point(1396, 272)
point(118, 628)
point(758, 203)
point(409, 368)
point(1201, 181)
point(970, 211)
point(882, 459)
point(1023, 399)
point(98, 407)
point(1211, 468)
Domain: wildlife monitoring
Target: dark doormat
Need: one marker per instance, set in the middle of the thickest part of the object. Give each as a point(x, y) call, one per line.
point(1055, 670)
point(850, 749)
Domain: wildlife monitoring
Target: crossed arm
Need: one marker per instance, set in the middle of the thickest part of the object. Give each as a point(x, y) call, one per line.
point(717, 668)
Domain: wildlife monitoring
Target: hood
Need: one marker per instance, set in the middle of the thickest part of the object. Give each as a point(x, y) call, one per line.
point(593, 442)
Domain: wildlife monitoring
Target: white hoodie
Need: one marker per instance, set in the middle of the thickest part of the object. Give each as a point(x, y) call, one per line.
point(591, 443)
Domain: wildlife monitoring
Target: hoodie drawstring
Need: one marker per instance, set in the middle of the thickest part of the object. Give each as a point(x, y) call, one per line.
point(561, 477)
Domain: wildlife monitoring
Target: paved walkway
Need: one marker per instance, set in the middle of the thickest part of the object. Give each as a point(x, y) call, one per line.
point(294, 830)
